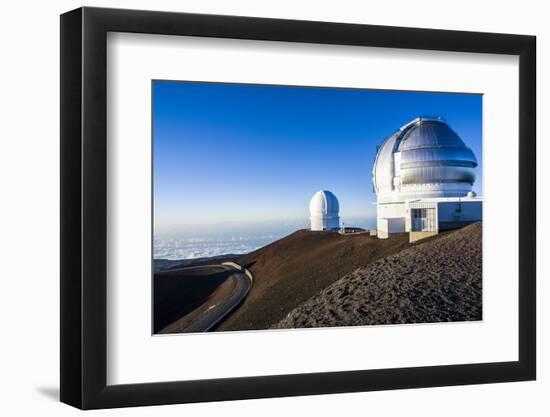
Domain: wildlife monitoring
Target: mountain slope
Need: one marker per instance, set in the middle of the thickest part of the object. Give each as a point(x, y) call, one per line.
point(291, 270)
point(438, 280)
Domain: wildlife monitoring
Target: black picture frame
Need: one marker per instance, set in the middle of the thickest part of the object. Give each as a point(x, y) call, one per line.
point(84, 207)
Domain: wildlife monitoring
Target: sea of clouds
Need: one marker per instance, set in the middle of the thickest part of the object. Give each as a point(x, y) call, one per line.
point(201, 241)
point(177, 242)
point(192, 248)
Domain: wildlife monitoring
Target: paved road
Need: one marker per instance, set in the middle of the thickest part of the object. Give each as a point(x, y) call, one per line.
point(219, 311)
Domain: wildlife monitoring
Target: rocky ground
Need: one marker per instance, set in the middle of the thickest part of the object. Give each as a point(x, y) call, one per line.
point(439, 280)
point(293, 269)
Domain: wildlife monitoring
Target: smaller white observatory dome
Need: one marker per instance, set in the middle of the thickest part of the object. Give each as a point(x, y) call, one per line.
point(324, 211)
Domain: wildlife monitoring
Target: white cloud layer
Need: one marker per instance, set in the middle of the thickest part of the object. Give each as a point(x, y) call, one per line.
point(178, 242)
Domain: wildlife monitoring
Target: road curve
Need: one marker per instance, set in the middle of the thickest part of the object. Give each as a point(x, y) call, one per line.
point(219, 311)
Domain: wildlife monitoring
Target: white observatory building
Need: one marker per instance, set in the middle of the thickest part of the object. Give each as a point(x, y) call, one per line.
point(423, 176)
point(324, 211)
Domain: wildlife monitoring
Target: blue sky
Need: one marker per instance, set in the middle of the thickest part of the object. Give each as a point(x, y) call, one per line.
point(248, 153)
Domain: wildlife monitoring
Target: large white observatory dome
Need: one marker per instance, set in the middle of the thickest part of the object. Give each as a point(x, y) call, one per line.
point(324, 211)
point(424, 158)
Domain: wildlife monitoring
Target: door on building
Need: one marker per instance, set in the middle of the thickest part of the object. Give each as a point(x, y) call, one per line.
point(423, 220)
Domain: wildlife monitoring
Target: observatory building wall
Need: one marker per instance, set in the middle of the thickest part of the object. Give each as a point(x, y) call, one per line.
point(453, 214)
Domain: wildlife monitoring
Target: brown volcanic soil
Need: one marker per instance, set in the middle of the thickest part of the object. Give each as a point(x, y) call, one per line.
point(436, 281)
point(221, 293)
point(178, 292)
point(291, 270)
